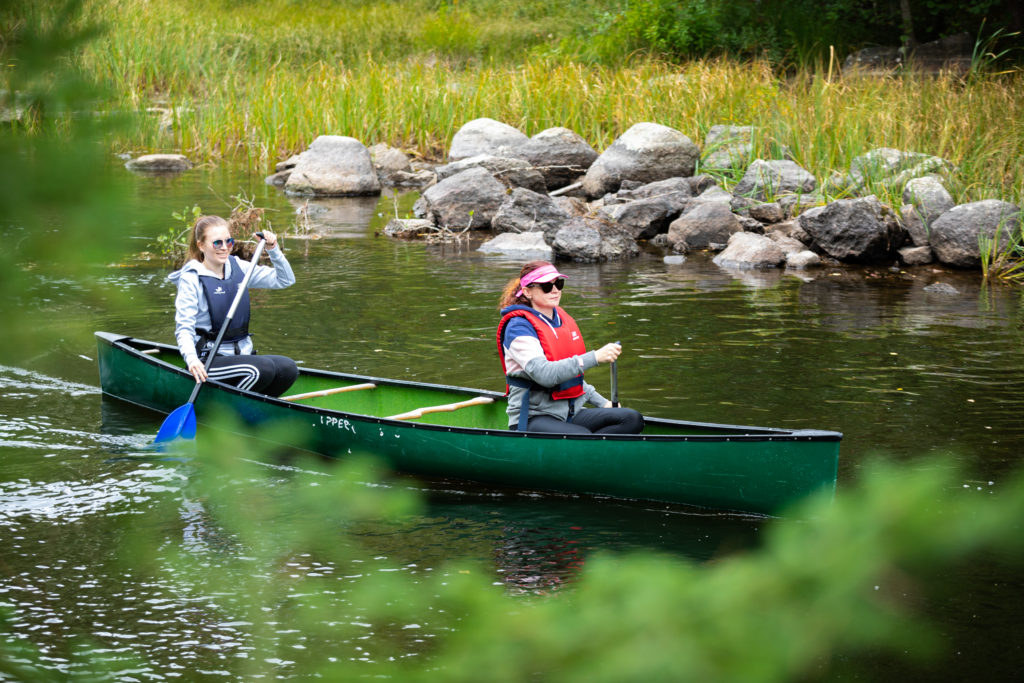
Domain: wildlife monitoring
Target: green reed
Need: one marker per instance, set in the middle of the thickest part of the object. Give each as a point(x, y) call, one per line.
point(258, 82)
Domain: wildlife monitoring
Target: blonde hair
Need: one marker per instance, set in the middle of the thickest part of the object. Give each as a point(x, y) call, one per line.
point(203, 223)
point(508, 294)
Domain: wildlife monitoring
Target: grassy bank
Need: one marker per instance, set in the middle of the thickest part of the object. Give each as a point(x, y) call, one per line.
point(258, 81)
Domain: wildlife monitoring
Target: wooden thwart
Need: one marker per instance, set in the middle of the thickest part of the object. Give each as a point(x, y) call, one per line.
point(446, 408)
point(328, 392)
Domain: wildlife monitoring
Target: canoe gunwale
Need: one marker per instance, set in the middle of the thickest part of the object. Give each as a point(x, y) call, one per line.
point(127, 344)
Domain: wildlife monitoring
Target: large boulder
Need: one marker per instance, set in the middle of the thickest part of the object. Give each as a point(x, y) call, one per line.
point(644, 153)
point(527, 211)
point(954, 234)
point(766, 180)
point(928, 196)
point(747, 250)
point(510, 172)
point(648, 209)
point(590, 239)
point(888, 167)
point(485, 136)
point(468, 199)
point(334, 166)
point(702, 226)
point(559, 154)
point(858, 230)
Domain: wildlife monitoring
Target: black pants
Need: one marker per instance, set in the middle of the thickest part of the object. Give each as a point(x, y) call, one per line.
point(270, 375)
point(591, 421)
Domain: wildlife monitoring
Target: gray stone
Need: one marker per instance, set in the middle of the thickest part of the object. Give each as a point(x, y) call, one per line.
point(408, 228)
point(890, 168)
point(559, 154)
point(766, 180)
point(510, 172)
point(334, 166)
point(954, 234)
point(591, 240)
point(749, 224)
point(485, 136)
point(789, 245)
point(854, 230)
point(278, 179)
point(941, 288)
point(801, 260)
point(701, 225)
point(645, 153)
point(526, 246)
point(795, 204)
point(746, 250)
point(928, 196)
point(159, 163)
point(527, 211)
point(767, 213)
point(651, 214)
point(915, 226)
point(470, 198)
point(727, 147)
point(916, 256)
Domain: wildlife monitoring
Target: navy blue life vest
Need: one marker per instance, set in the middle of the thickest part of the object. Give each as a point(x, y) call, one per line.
point(219, 295)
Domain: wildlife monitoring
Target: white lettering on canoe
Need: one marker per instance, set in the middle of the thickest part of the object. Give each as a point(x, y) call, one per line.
point(337, 422)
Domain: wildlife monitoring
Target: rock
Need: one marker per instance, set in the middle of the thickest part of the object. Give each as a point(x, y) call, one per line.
point(408, 228)
point(470, 198)
point(949, 54)
point(916, 256)
point(766, 180)
point(727, 147)
point(749, 224)
point(789, 245)
point(890, 168)
point(525, 211)
point(560, 155)
point(421, 178)
point(795, 204)
point(525, 246)
point(928, 196)
point(389, 161)
point(286, 165)
point(714, 194)
point(767, 213)
point(915, 226)
point(278, 179)
point(701, 225)
point(334, 166)
point(485, 136)
point(954, 234)
point(700, 183)
point(591, 240)
point(510, 172)
point(854, 230)
point(159, 163)
point(746, 250)
point(941, 288)
point(674, 260)
point(645, 153)
point(649, 208)
point(801, 260)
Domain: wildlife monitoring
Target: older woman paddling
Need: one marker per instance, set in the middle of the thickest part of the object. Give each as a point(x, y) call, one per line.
point(544, 358)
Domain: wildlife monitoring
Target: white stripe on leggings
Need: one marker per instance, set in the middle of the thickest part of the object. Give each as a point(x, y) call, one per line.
point(249, 375)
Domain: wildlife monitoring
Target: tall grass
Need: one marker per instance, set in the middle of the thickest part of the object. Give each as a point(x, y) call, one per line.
point(259, 81)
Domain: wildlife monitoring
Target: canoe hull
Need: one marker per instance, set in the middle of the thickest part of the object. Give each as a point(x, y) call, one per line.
point(722, 467)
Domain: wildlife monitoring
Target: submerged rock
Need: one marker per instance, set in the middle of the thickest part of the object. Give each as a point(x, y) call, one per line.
point(159, 163)
point(334, 166)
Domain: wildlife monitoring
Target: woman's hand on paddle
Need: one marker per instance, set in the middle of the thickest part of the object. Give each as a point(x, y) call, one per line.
point(198, 370)
point(270, 237)
point(608, 353)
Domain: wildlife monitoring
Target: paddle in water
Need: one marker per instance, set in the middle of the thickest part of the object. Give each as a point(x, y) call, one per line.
point(181, 424)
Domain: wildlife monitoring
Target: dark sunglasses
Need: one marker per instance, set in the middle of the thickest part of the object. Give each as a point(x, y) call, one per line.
point(219, 244)
point(545, 287)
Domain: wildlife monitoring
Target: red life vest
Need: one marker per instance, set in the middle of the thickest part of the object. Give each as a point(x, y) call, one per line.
point(558, 343)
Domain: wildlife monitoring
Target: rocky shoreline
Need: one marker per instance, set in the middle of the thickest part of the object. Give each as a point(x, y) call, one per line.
point(553, 195)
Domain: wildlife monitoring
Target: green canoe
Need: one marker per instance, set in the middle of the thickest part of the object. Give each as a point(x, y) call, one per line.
point(455, 432)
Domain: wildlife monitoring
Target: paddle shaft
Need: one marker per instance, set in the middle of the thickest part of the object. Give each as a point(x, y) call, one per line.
point(615, 383)
point(231, 314)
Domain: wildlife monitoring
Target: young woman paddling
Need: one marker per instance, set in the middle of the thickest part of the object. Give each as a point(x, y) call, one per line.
point(543, 356)
point(207, 285)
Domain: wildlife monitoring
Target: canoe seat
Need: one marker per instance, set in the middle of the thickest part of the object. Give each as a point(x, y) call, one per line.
point(446, 408)
point(328, 392)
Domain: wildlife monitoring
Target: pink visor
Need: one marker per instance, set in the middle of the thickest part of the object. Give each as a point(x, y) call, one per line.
point(543, 274)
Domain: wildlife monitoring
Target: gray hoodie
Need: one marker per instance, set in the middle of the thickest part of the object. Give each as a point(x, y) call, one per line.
point(190, 307)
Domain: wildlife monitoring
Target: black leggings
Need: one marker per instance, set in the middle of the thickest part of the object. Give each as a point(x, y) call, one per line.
point(270, 375)
point(591, 421)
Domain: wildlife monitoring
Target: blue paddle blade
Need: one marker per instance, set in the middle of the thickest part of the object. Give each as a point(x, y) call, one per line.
point(181, 424)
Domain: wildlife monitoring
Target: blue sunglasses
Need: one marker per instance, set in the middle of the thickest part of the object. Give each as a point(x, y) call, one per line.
point(219, 244)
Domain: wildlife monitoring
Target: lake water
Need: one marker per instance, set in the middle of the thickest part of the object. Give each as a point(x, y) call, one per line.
point(902, 372)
